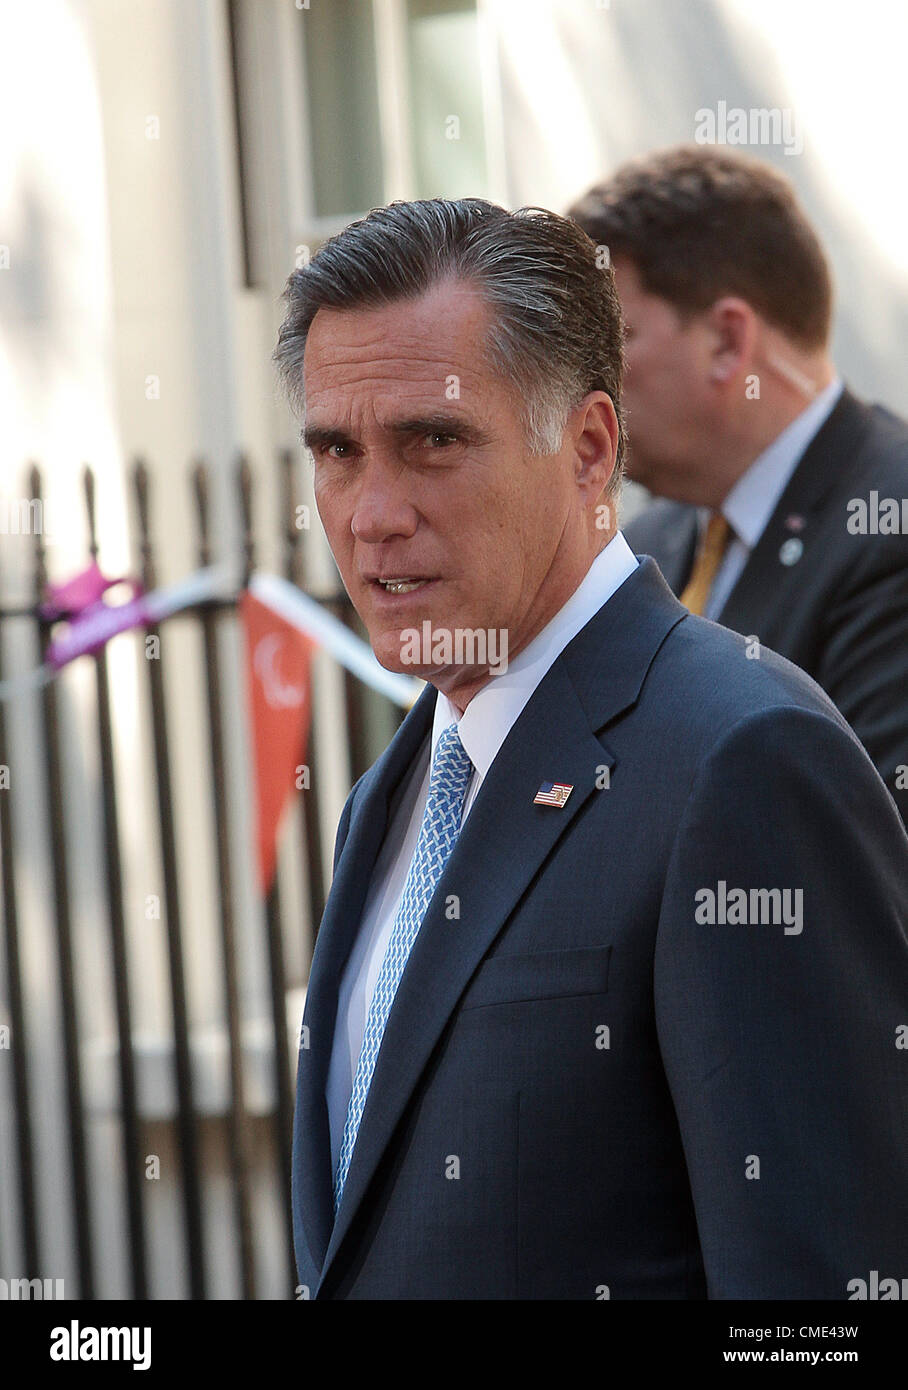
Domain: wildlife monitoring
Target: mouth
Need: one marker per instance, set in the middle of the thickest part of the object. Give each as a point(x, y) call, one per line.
point(398, 585)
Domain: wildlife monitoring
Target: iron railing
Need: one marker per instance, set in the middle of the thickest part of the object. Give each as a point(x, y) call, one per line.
point(84, 1193)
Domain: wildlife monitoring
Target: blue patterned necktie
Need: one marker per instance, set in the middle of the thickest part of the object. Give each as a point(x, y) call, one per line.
point(451, 769)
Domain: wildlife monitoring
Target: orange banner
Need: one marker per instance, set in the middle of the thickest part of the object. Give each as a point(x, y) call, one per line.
point(278, 657)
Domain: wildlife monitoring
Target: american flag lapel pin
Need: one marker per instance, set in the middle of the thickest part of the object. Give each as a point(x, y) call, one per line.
point(553, 794)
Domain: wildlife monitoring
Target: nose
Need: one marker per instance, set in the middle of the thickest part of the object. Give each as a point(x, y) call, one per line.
point(382, 509)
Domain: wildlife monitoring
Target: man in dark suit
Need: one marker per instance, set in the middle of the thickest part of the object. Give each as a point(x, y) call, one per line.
point(610, 994)
point(783, 508)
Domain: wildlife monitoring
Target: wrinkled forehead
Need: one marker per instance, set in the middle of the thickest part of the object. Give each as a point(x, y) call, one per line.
point(428, 350)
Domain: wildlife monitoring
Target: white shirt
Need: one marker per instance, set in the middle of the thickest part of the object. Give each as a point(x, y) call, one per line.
point(483, 728)
point(753, 499)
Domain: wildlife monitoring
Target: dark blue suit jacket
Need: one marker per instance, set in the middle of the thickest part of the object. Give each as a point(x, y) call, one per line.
point(584, 1091)
point(840, 611)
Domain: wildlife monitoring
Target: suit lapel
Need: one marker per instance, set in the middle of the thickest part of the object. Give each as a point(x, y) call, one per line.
point(505, 840)
point(760, 593)
point(370, 815)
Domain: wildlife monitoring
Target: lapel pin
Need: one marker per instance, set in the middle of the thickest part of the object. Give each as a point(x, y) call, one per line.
point(791, 550)
point(794, 522)
point(552, 794)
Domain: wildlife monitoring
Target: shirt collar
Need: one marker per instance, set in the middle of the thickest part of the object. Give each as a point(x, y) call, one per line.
point(752, 500)
point(492, 712)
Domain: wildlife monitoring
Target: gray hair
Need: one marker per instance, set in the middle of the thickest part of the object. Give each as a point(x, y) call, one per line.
point(556, 330)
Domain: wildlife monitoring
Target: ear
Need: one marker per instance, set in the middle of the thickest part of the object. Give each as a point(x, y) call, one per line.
point(594, 429)
point(732, 325)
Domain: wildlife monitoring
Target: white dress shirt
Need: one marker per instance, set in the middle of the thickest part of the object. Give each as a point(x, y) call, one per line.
point(754, 497)
point(483, 728)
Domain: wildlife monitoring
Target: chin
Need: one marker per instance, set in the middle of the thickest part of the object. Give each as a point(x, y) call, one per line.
point(386, 650)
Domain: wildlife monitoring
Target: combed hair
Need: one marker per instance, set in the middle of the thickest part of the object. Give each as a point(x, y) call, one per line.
point(698, 223)
point(556, 330)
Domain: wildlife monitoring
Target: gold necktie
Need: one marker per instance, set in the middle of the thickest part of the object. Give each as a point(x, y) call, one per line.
point(709, 557)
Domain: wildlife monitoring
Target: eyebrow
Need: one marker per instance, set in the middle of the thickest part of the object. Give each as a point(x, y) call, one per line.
point(442, 422)
point(318, 436)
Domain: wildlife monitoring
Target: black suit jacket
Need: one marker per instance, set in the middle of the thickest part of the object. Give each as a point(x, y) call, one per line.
point(841, 611)
point(583, 1091)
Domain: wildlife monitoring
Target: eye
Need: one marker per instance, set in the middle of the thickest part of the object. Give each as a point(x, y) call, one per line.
point(337, 451)
point(439, 440)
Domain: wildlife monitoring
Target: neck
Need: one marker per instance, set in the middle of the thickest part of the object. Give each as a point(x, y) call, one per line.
point(461, 685)
point(789, 385)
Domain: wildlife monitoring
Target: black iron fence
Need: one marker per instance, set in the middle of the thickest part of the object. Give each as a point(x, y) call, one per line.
point(85, 1194)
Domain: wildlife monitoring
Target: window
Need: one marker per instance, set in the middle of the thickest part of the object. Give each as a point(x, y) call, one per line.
point(341, 78)
point(395, 103)
point(446, 100)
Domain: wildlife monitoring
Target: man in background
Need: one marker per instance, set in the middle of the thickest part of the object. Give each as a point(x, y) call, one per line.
point(784, 498)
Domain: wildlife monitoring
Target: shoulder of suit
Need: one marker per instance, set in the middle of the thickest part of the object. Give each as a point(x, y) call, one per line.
point(871, 431)
point(876, 463)
point(722, 676)
point(658, 518)
point(885, 446)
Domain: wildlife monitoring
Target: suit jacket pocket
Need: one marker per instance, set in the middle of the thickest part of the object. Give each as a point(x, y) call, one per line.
point(505, 979)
